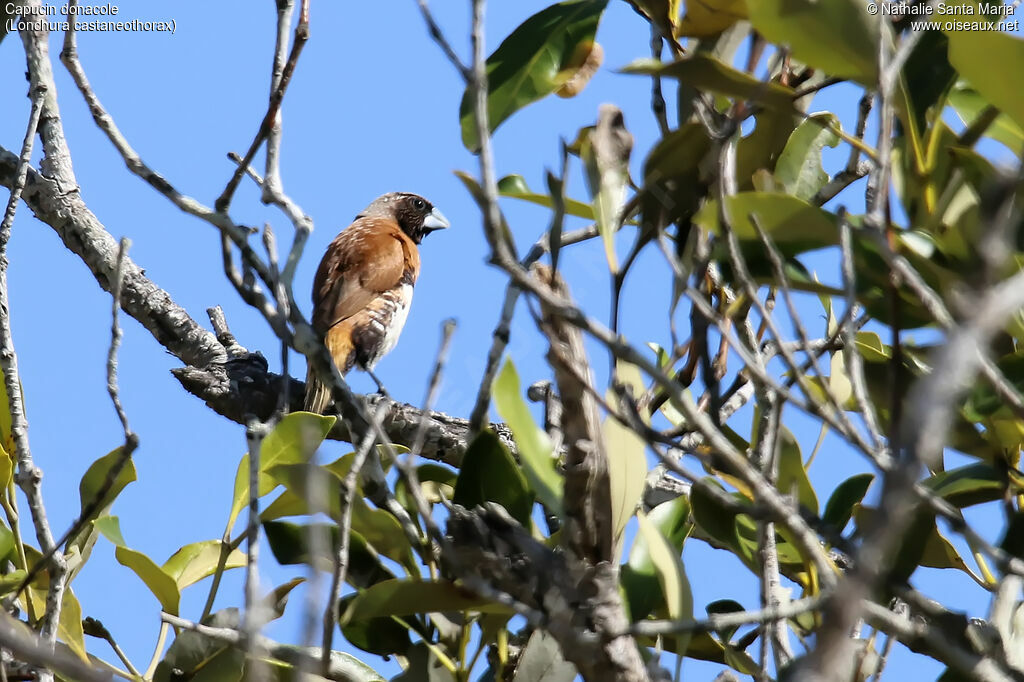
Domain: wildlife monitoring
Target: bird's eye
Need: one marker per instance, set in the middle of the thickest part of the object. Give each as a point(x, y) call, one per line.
point(419, 204)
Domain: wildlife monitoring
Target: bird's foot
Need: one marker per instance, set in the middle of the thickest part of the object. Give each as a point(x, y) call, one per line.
point(381, 391)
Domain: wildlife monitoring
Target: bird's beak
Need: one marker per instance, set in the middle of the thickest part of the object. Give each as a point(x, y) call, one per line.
point(435, 221)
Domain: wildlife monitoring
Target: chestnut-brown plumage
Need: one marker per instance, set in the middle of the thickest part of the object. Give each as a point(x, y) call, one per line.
point(363, 287)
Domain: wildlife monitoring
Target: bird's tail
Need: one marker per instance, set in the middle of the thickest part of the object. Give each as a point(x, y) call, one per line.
point(317, 395)
point(339, 343)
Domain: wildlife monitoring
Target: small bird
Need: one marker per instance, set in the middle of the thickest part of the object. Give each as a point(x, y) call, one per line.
point(363, 287)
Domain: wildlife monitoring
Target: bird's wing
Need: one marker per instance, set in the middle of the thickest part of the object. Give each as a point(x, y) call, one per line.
point(369, 257)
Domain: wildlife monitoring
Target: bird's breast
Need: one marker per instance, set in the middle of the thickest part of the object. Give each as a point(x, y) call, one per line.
point(385, 319)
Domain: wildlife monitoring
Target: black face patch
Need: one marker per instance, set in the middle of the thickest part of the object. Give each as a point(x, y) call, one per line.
point(410, 211)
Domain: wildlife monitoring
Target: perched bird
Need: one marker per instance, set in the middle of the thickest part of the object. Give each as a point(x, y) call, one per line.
point(363, 287)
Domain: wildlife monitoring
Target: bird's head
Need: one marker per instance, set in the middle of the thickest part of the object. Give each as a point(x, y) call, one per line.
point(415, 215)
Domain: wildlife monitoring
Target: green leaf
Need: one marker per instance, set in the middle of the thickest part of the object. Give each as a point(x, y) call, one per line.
point(793, 224)
point(344, 667)
point(639, 576)
point(535, 449)
point(847, 494)
point(101, 474)
point(535, 60)
point(424, 666)
point(542, 661)
point(295, 438)
point(378, 527)
point(199, 658)
point(407, 597)
point(110, 528)
point(838, 36)
point(289, 543)
point(984, 58)
point(162, 585)
point(489, 474)
point(69, 625)
point(792, 475)
point(969, 104)
point(714, 518)
point(9, 582)
point(627, 460)
point(672, 178)
point(725, 606)
point(515, 186)
point(195, 561)
point(709, 17)
point(6, 542)
point(671, 575)
point(382, 636)
point(968, 485)
point(704, 72)
point(799, 167)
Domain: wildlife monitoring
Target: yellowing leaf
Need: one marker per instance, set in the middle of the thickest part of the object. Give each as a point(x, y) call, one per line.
point(627, 461)
point(705, 18)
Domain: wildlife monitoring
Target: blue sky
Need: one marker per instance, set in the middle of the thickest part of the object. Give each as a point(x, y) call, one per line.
point(373, 108)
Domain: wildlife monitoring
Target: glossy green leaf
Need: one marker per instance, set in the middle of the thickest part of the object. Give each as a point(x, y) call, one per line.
point(289, 542)
point(195, 561)
point(295, 438)
point(535, 449)
point(712, 517)
point(838, 36)
point(376, 526)
point(704, 72)
point(542, 661)
point(792, 475)
point(921, 89)
point(489, 474)
point(406, 597)
point(969, 104)
point(535, 60)
point(383, 636)
point(515, 186)
point(671, 575)
point(639, 575)
point(725, 606)
point(344, 667)
point(968, 485)
point(793, 224)
point(202, 659)
point(1013, 536)
point(799, 167)
point(847, 494)
point(975, 54)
